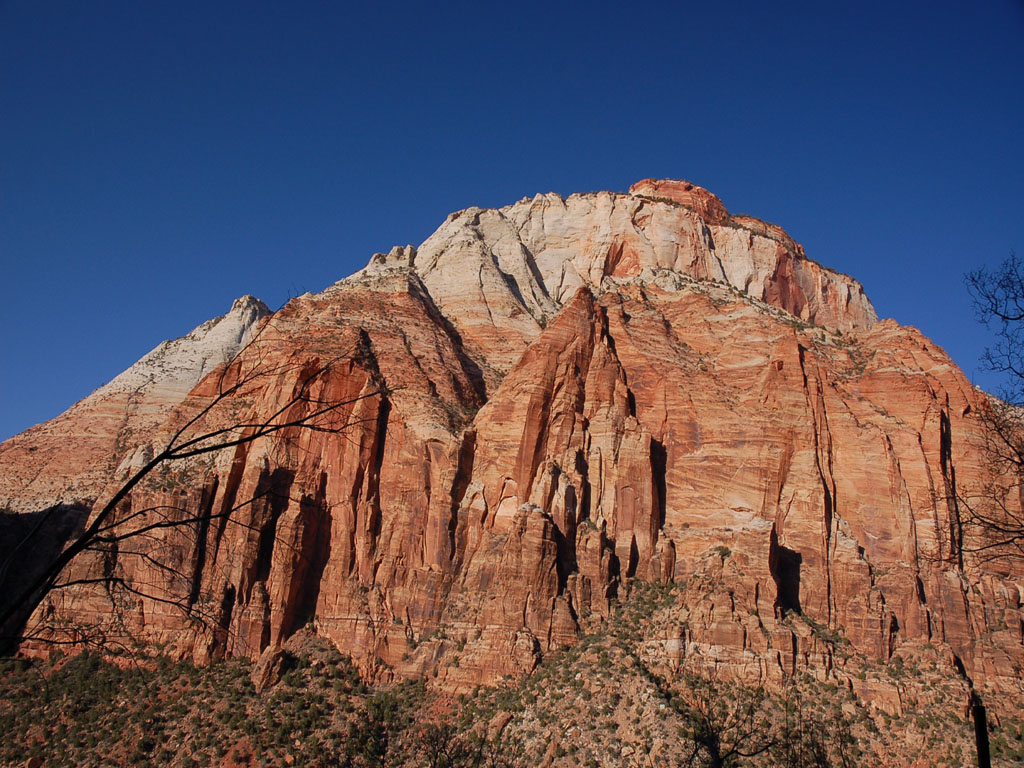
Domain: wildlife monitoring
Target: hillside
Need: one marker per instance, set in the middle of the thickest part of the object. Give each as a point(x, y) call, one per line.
point(545, 413)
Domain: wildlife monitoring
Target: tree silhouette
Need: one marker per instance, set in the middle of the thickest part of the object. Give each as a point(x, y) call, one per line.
point(995, 513)
point(219, 415)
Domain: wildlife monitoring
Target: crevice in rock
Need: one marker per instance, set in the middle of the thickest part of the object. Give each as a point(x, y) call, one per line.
point(538, 449)
point(784, 566)
point(528, 258)
point(659, 467)
point(583, 470)
point(512, 284)
point(612, 259)
point(353, 501)
point(956, 529)
point(614, 572)
point(315, 520)
point(980, 718)
point(978, 715)
point(531, 265)
point(265, 633)
point(894, 633)
point(709, 240)
point(108, 559)
point(823, 462)
point(555, 473)
point(564, 534)
point(571, 503)
point(202, 532)
point(565, 558)
point(373, 492)
point(634, 558)
point(463, 474)
point(606, 336)
point(227, 506)
point(274, 488)
point(223, 629)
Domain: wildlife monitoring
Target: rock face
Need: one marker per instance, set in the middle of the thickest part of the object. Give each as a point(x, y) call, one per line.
point(500, 275)
point(542, 404)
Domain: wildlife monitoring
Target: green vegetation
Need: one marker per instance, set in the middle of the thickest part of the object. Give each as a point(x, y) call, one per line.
point(633, 690)
point(89, 711)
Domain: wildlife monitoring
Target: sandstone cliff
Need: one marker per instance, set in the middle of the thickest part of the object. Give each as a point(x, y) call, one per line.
point(544, 404)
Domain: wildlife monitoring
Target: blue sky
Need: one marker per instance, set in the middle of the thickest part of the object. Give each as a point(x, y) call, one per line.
point(159, 159)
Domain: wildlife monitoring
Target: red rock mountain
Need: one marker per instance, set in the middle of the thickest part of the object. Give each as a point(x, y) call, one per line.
point(543, 403)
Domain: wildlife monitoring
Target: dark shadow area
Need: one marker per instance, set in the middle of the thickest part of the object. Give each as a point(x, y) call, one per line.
point(784, 565)
point(463, 474)
point(659, 466)
point(383, 416)
point(227, 609)
point(956, 528)
point(980, 731)
point(978, 715)
point(634, 558)
point(583, 470)
point(272, 489)
point(202, 533)
point(614, 571)
point(30, 542)
point(565, 561)
point(315, 517)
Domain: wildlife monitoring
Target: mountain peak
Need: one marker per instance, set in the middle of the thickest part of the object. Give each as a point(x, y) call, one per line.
point(500, 274)
point(706, 203)
point(249, 302)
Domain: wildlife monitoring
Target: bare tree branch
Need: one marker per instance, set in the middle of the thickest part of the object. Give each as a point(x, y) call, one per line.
point(995, 512)
point(214, 426)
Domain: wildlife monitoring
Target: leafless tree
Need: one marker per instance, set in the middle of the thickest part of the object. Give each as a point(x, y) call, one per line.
point(218, 416)
point(727, 722)
point(803, 740)
point(995, 513)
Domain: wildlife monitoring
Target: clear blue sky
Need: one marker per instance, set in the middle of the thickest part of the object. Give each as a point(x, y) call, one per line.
point(158, 159)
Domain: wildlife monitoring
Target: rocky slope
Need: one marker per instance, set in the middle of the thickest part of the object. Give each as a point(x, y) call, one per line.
point(542, 406)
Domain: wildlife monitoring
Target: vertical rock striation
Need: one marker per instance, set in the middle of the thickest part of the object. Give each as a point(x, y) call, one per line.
point(544, 403)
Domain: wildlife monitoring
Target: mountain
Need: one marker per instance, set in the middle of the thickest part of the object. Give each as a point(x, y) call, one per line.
point(544, 407)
